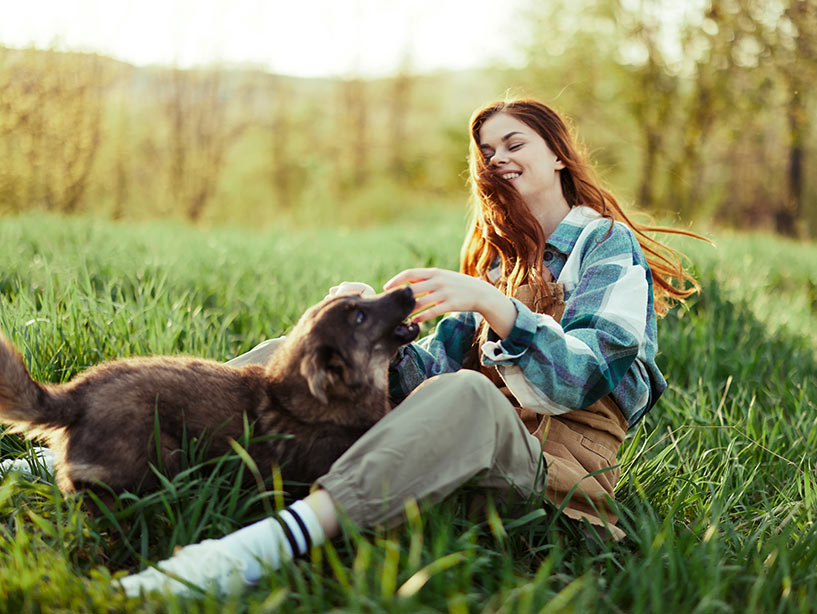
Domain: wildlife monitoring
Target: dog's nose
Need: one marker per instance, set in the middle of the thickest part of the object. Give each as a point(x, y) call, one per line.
point(406, 294)
point(401, 297)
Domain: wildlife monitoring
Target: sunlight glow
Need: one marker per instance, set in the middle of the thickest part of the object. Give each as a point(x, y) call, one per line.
point(301, 37)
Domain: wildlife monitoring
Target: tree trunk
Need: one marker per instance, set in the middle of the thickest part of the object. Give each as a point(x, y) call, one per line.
point(790, 213)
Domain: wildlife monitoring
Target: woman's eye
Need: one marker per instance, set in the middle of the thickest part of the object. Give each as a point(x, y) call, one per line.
point(515, 146)
point(360, 317)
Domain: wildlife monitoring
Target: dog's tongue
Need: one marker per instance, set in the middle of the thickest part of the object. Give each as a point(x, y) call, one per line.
point(406, 332)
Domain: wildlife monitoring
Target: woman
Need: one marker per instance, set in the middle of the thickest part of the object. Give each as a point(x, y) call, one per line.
point(555, 305)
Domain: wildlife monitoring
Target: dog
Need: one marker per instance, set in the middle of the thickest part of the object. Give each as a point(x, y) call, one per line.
point(324, 387)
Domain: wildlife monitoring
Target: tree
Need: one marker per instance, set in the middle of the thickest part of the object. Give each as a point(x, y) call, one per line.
point(796, 58)
point(50, 126)
point(653, 93)
point(399, 94)
point(201, 132)
point(355, 117)
point(281, 140)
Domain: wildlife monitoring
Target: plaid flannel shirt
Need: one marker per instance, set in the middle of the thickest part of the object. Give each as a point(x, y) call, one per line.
point(604, 344)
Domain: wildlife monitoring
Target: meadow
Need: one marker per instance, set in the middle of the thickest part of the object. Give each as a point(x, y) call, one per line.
point(719, 483)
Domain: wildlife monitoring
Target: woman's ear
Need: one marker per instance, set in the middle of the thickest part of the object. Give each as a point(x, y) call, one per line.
point(559, 165)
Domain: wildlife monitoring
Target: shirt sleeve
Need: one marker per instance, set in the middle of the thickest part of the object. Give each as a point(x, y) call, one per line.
point(554, 367)
point(443, 351)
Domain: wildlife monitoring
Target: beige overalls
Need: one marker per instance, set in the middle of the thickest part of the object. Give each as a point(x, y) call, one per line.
point(577, 443)
point(464, 425)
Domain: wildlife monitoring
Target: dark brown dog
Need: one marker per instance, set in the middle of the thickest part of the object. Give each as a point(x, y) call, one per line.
point(323, 388)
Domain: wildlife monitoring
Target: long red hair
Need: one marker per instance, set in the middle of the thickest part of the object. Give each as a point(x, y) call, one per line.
point(502, 226)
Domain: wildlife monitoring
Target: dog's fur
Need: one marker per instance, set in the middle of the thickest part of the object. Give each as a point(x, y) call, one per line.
point(323, 388)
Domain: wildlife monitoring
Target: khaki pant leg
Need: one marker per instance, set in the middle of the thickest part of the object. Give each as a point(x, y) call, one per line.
point(258, 355)
point(450, 429)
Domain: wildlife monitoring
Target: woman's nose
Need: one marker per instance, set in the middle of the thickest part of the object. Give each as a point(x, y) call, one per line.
point(499, 159)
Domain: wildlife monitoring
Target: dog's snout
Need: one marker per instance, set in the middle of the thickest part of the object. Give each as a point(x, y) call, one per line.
point(406, 296)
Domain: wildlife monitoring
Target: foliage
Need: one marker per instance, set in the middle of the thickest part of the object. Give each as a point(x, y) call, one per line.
point(701, 109)
point(718, 488)
point(688, 107)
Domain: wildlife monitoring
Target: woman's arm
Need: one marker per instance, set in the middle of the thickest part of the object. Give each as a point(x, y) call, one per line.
point(604, 343)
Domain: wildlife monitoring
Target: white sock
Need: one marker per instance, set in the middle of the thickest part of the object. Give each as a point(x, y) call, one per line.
point(272, 541)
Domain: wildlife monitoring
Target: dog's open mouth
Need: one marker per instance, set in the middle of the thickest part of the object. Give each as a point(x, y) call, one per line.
point(406, 332)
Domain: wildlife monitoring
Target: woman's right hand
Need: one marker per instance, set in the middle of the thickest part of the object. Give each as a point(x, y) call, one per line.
point(438, 291)
point(351, 287)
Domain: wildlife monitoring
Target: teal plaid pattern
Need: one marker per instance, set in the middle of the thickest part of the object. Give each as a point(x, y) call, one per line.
point(605, 343)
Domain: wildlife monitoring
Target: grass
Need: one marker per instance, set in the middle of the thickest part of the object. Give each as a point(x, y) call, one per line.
point(718, 490)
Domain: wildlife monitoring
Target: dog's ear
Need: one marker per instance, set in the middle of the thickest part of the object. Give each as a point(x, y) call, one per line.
point(313, 368)
point(323, 368)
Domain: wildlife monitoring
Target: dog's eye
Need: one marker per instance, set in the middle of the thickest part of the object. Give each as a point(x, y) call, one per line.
point(360, 317)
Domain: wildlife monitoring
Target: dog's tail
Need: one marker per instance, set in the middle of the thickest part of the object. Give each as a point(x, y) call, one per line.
point(25, 405)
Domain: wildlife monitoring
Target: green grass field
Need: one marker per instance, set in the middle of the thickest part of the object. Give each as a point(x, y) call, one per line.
point(719, 488)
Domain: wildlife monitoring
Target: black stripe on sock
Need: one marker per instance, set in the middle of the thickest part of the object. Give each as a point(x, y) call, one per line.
point(302, 526)
point(290, 537)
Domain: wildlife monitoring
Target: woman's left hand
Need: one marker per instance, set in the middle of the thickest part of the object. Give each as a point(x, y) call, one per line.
point(438, 291)
point(351, 287)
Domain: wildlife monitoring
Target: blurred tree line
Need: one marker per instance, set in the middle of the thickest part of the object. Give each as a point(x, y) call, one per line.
point(85, 133)
point(701, 110)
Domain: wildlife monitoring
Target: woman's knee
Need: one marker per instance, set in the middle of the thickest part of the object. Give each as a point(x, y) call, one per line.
point(478, 385)
point(469, 380)
point(471, 393)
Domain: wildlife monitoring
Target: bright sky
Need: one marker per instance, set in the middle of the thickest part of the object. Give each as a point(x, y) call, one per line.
point(299, 37)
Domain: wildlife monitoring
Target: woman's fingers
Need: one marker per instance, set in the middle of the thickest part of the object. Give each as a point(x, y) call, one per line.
point(439, 291)
point(446, 290)
point(422, 288)
point(409, 276)
point(431, 312)
point(432, 301)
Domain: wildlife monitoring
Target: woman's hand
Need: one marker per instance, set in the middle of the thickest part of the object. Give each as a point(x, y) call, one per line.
point(438, 291)
point(351, 287)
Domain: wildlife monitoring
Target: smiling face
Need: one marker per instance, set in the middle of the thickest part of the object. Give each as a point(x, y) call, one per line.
point(517, 154)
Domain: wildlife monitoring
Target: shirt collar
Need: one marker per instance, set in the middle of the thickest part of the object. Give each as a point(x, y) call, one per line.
point(563, 238)
point(567, 232)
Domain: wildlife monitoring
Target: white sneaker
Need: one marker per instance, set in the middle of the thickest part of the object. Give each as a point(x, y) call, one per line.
point(206, 565)
point(39, 463)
